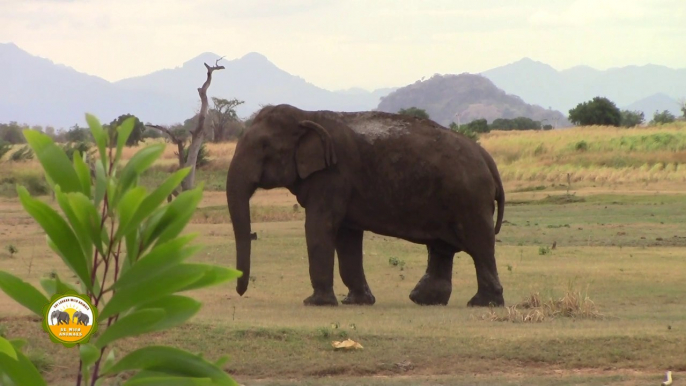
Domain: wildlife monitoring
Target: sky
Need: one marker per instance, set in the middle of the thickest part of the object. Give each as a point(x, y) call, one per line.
point(338, 44)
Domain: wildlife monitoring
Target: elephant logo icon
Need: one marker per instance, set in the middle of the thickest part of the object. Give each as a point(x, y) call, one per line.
point(70, 319)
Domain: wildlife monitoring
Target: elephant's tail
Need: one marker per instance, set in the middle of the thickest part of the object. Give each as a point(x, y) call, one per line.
point(500, 199)
point(499, 191)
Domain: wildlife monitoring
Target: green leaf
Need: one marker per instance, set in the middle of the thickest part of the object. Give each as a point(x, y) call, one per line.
point(132, 250)
point(135, 323)
point(155, 379)
point(79, 226)
point(23, 293)
point(162, 257)
point(99, 135)
point(175, 278)
point(171, 361)
point(141, 161)
point(89, 353)
point(124, 131)
point(178, 214)
point(55, 286)
point(59, 232)
point(109, 361)
point(221, 361)
point(101, 182)
point(55, 162)
point(213, 275)
point(156, 198)
point(178, 310)
point(150, 225)
point(90, 221)
point(20, 370)
point(84, 174)
point(7, 348)
point(127, 207)
point(18, 344)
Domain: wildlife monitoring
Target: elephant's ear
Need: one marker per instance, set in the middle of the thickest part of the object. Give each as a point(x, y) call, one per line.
point(315, 150)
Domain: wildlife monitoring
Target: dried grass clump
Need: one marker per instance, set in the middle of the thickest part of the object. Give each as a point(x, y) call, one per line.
point(532, 309)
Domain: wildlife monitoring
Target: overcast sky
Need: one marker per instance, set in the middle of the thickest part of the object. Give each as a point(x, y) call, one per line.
point(346, 43)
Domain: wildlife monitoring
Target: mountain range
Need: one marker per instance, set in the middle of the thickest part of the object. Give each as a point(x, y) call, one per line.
point(644, 88)
point(35, 90)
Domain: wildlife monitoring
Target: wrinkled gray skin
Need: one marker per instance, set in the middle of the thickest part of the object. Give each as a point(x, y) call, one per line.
point(61, 316)
point(390, 174)
point(81, 318)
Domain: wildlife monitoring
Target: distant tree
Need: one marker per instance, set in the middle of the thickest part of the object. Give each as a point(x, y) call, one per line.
point(547, 127)
point(222, 115)
point(519, 123)
point(415, 112)
point(478, 126)
point(78, 134)
point(662, 117)
point(464, 130)
point(12, 133)
point(138, 129)
point(631, 118)
point(598, 111)
point(49, 130)
point(683, 108)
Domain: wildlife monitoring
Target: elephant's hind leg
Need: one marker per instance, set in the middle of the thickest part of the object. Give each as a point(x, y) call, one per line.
point(349, 248)
point(435, 287)
point(480, 245)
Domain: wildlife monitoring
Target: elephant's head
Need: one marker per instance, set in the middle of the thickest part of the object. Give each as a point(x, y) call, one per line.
point(281, 147)
point(76, 315)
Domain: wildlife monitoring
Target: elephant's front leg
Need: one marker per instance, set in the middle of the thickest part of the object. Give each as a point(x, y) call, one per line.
point(349, 249)
point(320, 233)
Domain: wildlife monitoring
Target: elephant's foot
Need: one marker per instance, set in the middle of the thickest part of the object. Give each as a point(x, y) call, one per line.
point(484, 299)
point(320, 298)
point(429, 291)
point(363, 297)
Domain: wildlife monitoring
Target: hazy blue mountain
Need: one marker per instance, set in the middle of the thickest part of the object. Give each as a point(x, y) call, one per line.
point(659, 102)
point(35, 90)
point(253, 79)
point(469, 96)
point(541, 84)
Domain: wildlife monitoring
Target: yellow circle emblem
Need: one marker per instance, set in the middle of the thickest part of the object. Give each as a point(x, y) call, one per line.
point(70, 319)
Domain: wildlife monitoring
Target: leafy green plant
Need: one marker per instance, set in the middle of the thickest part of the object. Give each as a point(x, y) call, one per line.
point(123, 243)
point(544, 250)
point(83, 147)
point(23, 154)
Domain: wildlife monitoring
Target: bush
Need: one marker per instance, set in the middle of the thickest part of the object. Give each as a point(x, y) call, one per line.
point(5, 147)
point(203, 156)
point(23, 154)
point(581, 146)
point(661, 118)
point(464, 130)
point(631, 118)
point(414, 112)
point(111, 220)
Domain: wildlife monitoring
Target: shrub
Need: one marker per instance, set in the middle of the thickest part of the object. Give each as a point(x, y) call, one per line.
point(113, 225)
point(581, 146)
point(23, 154)
point(5, 147)
point(203, 156)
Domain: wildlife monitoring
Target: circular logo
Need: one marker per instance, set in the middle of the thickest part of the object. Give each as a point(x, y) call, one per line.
point(70, 319)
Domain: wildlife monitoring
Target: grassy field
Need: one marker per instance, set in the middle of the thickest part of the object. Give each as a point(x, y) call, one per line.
point(617, 245)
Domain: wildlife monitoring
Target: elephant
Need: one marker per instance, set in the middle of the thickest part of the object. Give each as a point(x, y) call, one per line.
point(390, 174)
point(81, 318)
point(61, 316)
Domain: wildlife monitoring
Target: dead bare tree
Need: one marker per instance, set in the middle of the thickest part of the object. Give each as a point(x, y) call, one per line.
point(197, 135)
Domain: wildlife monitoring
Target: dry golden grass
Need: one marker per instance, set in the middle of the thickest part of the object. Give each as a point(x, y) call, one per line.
point(594, 154)
point(532, 309)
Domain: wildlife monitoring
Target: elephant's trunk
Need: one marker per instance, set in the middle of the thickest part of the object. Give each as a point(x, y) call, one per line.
point(239, 189)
